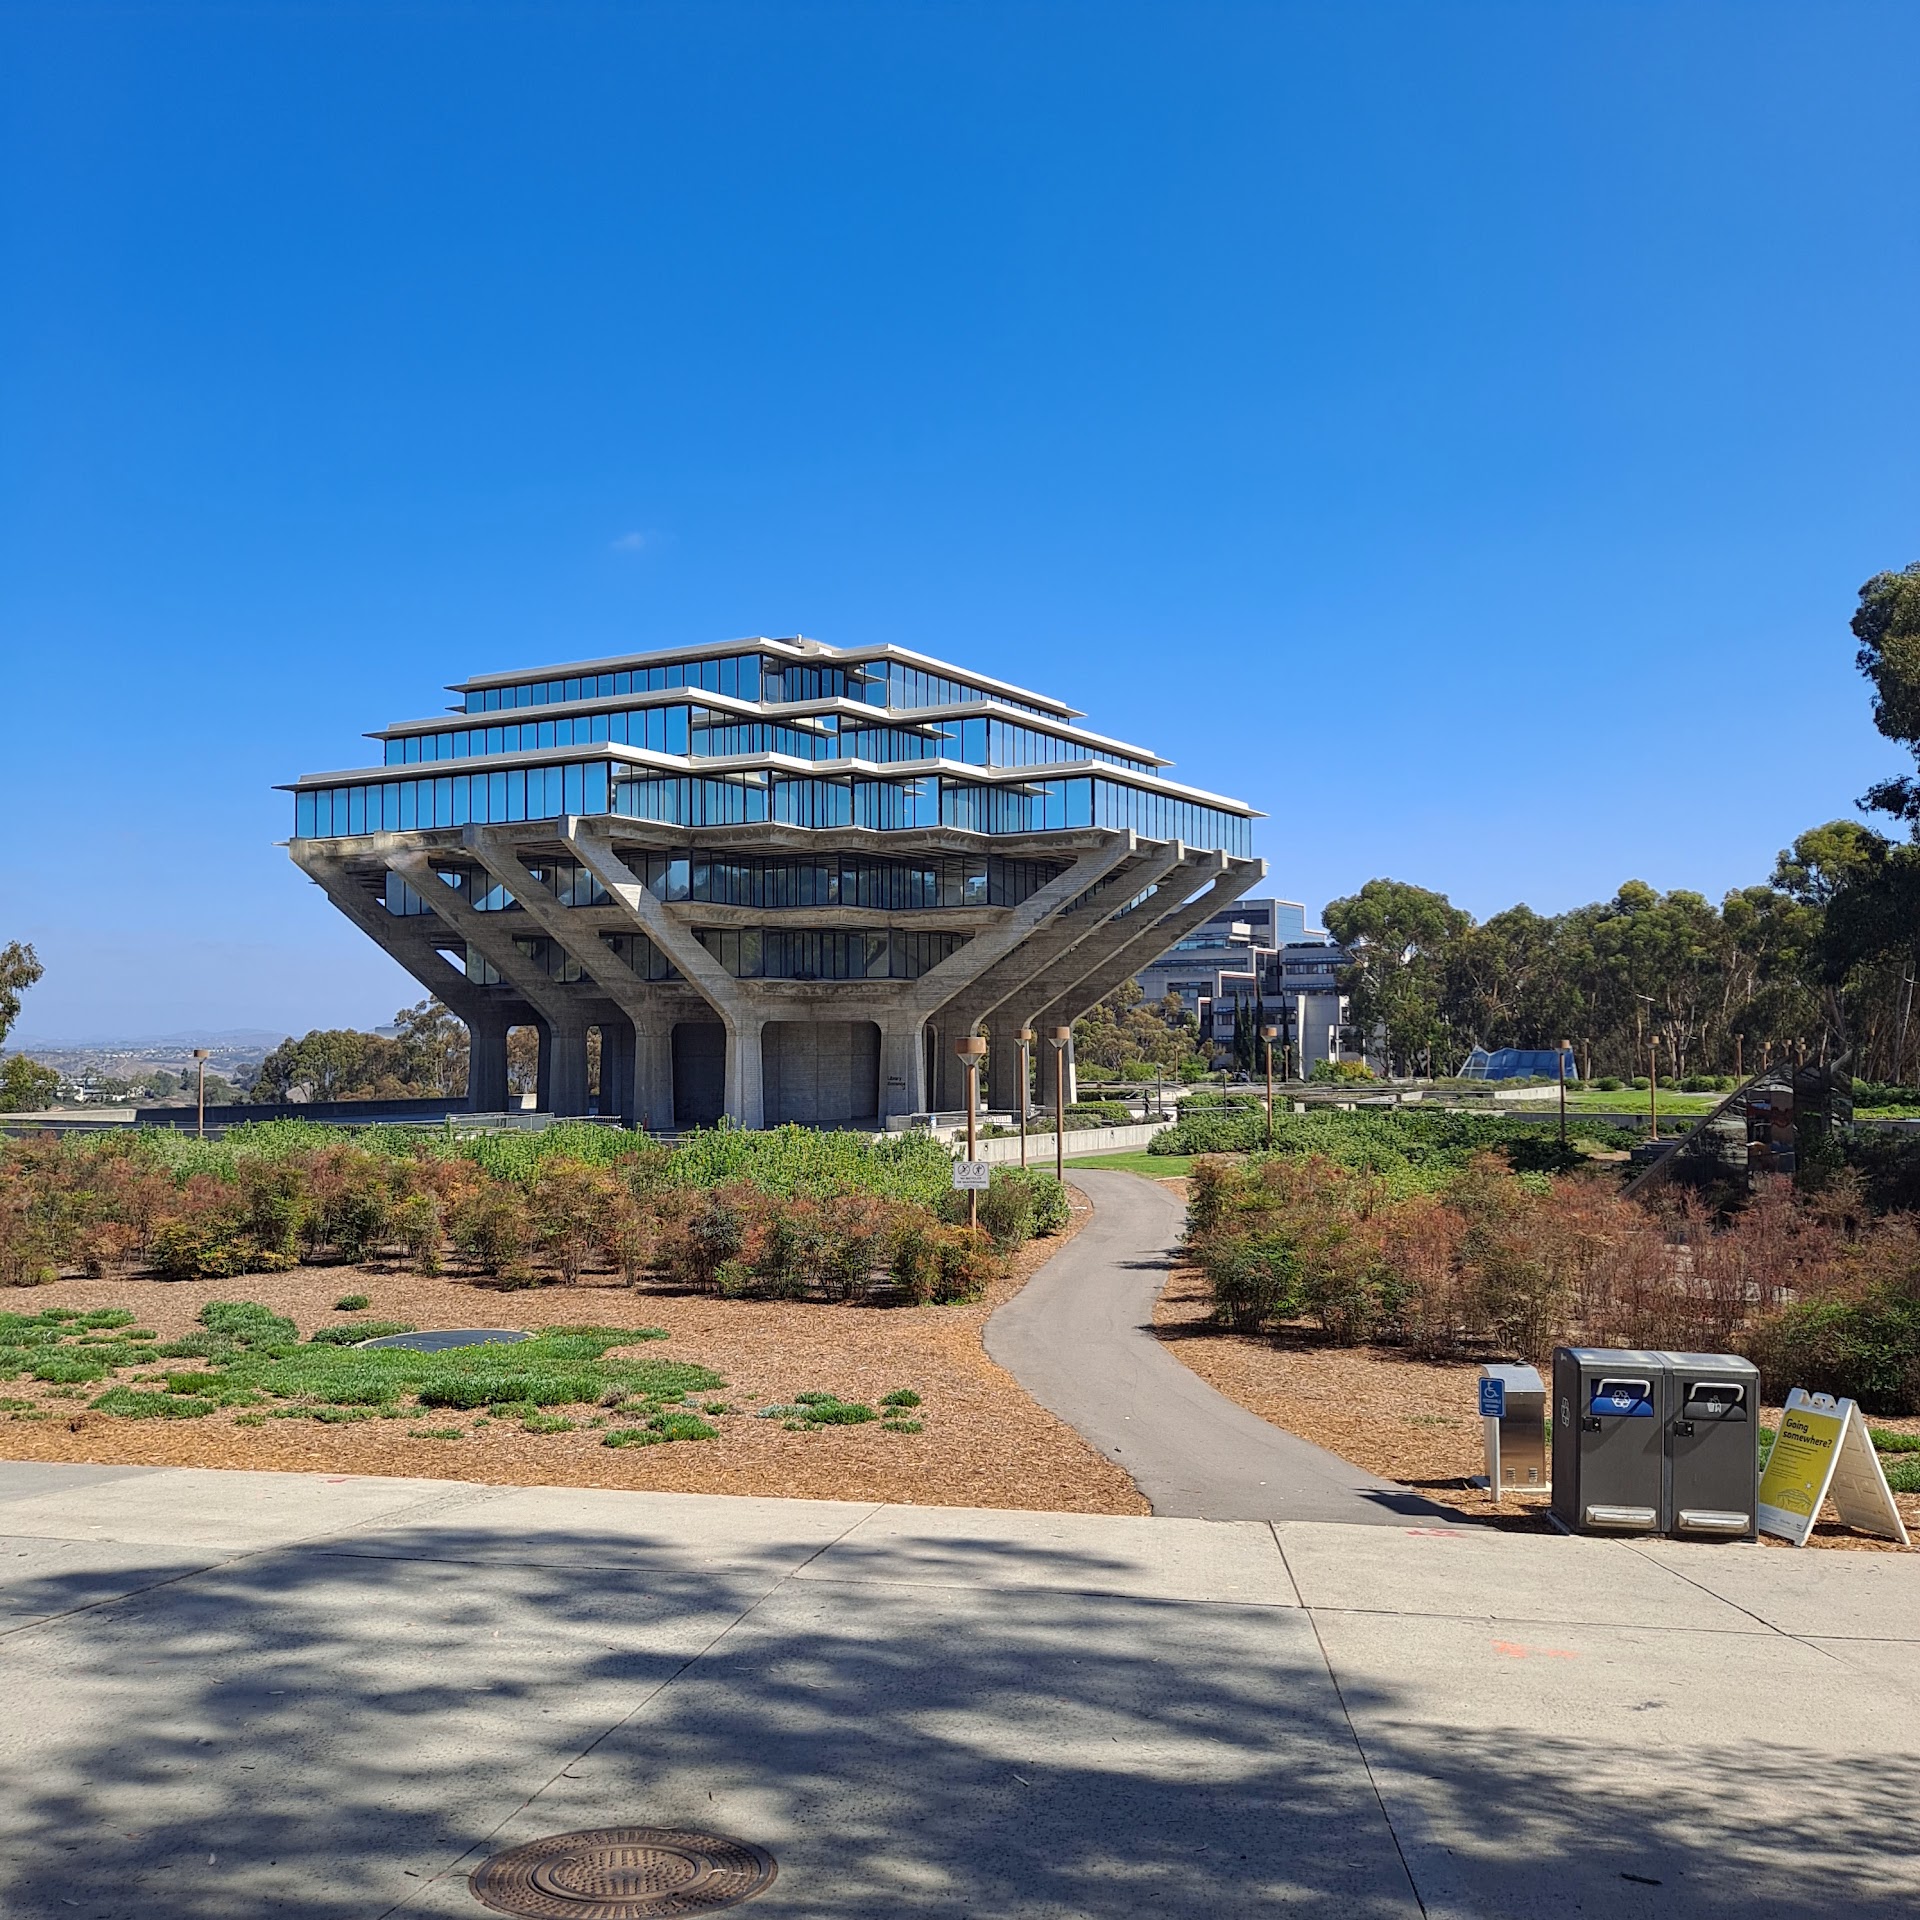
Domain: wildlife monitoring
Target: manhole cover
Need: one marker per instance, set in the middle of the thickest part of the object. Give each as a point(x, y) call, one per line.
point(623, 1873)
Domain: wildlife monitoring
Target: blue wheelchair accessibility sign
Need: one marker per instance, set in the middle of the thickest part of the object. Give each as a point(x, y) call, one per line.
point(1493, 1399)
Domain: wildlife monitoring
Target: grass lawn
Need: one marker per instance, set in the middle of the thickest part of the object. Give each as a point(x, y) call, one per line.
point(1156, 1166)
point(1589, 1100)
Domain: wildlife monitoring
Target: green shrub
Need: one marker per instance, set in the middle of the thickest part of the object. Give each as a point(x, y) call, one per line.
point(901, 1397)
point(128, 1404)
point(351, 1333)
point(1255, 1277)
point(1866, 1350)
point(352, 1303)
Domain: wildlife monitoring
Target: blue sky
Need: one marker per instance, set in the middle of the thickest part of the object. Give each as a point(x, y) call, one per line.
point(1458, 429)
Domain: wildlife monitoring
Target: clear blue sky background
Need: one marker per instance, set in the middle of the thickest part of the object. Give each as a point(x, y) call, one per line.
point(1459, 429)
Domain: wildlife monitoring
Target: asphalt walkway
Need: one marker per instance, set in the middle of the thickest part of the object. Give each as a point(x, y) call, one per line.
point(240, 1695)
point(1078, 1336)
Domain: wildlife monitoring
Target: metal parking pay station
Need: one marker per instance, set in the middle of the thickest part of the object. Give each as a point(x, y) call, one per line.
point(1513, 1416)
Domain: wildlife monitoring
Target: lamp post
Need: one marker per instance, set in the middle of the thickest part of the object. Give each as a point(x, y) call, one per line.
point(1060, 1038)
point(1560, 1073)
point(1653, 1069)
point(200, 1056)
point(972, 1050)
point(1026, 1037)
point(1269, 1034)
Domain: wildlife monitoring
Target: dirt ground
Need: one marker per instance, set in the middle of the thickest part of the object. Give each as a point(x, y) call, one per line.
point(1409, 1420)
point(983, 1443)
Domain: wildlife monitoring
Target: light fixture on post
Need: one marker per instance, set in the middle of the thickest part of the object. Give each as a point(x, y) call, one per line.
point(200, 1056)
point(1026, 1037)
point(972, 1050)
point(1061, 1039)
point(1270, 1035)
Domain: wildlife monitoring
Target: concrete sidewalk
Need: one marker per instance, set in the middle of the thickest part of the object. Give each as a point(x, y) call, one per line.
point(257, 1694)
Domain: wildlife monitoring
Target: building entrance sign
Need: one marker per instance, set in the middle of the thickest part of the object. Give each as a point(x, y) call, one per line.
point(1823, 1451)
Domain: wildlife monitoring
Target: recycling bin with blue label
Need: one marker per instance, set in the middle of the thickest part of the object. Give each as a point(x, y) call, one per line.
point(1610, 1418)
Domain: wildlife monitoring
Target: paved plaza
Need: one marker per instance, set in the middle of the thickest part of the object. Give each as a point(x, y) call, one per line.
point(234, 1694)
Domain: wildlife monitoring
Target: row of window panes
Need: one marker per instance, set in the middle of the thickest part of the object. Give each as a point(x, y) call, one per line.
point(663, 729)
point(737, 674)
point(883, 886)
point(780, 953)
point(544, 793)
point(747, 676)
point(543, 953)
point(634, 950)
point(1162, 816)
point(452, 800)
point(567, 880)
point(894, 684)
point(978, 742)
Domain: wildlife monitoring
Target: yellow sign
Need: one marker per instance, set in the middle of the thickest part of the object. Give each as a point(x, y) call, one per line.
point(1823, 1447)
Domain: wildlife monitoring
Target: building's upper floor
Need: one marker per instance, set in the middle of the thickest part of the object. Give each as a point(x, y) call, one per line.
point(786, 731)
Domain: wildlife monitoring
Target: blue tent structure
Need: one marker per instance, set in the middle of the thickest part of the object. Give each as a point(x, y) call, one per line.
point(1518, 1063)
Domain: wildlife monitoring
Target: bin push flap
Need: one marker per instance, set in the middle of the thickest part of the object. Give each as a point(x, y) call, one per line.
point(1716, 1400)
point(1622, 1399)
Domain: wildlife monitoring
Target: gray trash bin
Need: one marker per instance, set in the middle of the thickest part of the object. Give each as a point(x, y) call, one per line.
point(1609, 1440)
point(1713, 1446)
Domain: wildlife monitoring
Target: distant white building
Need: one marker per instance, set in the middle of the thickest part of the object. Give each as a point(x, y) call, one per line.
point(1258, 953)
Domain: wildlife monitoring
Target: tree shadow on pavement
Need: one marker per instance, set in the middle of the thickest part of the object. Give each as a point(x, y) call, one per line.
point(347, 1729)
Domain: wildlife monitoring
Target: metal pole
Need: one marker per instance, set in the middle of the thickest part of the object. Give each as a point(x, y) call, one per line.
point(1268, 1034)
point(1653, 1086)
point(1060, 1038)
point(200, 1055)
point(1737, 1038)
point(1900, 1045)
point(1560, 1072)
point(972, 1049)
point(973, 1090)
point(1026, 1089)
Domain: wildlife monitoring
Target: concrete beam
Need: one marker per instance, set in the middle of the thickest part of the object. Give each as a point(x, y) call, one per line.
point(592, 846)
point(1073, 998)
point(486, 1012)
point(635, 1053)
point(562, 1014)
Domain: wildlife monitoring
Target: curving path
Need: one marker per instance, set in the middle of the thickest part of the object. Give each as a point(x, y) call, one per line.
point(1079, 1338)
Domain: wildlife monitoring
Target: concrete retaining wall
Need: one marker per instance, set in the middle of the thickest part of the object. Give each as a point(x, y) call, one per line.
point(1090, 1141)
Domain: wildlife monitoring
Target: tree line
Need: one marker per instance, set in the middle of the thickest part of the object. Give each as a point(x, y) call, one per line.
point(1817, 961)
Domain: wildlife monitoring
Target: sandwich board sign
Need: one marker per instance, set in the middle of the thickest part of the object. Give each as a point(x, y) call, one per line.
point(1823, 1451)
point(974, 1174)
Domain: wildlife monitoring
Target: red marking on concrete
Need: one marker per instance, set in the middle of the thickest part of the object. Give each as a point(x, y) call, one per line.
point(1516, 1650)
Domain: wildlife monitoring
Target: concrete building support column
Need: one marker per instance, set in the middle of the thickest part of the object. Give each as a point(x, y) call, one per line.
point(1003, 1091)
point(746, 1092)
point(487, 1062)
point(616, 1071)
point(903, 1066)
point(653, 1075)
point(563, 1067)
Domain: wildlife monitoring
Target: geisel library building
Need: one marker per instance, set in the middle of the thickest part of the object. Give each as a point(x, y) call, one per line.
point(782, 879)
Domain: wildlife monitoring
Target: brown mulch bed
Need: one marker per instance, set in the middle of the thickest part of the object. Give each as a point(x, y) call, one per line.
point(984, 1442)
point(1406, 1419)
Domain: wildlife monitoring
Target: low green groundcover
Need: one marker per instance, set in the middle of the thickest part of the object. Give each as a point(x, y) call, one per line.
point(252, 1354)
